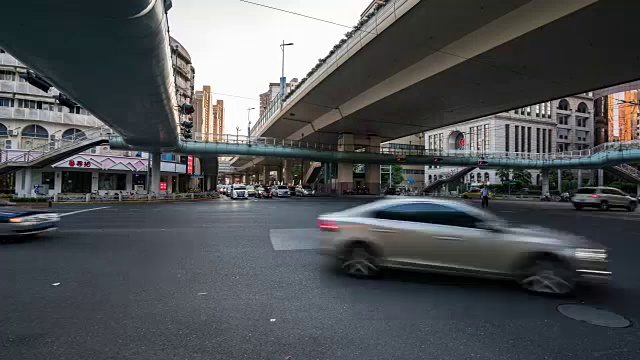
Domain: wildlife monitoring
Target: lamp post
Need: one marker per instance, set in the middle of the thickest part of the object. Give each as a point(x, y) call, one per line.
point(249, 120)
point(283, 80)
point(237, 134)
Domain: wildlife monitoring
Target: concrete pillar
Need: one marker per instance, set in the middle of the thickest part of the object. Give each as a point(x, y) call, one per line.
point(58, 182)
point(345, 170)
point(638, 190)
point(28, 183)
point(128, 182)
point(372, 171)
point(600, 177)
point(286, 172)
point(579, 178)
point(544, 179)
point(560, 180)
point(155, 173)
point(177, 189)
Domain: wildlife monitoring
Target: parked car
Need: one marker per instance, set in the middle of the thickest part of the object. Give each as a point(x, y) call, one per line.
point(603, 198)
point(304, 190)
point(239, 191)
point(471, 194)
point(263, 193)
point(456, 238)
point(17, 221)
point(280, 191)
point(251, 191)
point(292, 191)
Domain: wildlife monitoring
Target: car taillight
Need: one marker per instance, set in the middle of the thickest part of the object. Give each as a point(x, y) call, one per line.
point(327, 225)
point(595, 196)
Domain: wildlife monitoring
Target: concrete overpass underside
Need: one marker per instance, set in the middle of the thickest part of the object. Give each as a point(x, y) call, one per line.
point(445, 63)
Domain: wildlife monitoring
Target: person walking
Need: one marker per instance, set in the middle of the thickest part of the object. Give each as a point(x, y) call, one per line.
point(484, 194)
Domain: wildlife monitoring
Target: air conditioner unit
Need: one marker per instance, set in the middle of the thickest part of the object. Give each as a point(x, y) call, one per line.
point(139, 189)
point(7, 144)
point(13, 132)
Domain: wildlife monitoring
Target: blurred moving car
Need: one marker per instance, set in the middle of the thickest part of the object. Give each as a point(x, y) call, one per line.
point(304, 190)
point(456, 238)
point(23, 221)
point(292, 191)
point(280, 191)
point(603, 198)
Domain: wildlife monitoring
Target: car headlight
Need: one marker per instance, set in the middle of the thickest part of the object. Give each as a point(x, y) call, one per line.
point(591, 254)
point(16, 220)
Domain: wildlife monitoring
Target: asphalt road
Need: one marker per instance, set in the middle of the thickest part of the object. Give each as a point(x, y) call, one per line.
point(236, 280)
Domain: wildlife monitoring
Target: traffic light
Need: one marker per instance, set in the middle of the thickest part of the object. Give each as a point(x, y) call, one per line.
point(186, 109)
point(401, 159)
point(186, 127)
point(35, 80)
point(483, 163)
point(437, 159)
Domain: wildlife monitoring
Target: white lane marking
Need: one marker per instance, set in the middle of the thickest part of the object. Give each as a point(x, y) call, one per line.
point(506, 211)
point(79, 211)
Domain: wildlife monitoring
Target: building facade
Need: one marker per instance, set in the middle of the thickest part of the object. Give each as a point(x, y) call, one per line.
point(617, 116)
point(31, 119)
point(560, 125)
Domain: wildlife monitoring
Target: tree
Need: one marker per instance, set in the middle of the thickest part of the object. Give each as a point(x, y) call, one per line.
point(522, 177)
point(503, 174)
point(396, 174)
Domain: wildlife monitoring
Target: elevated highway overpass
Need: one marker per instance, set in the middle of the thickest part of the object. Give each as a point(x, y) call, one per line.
point(419, 65)
point(113, 58)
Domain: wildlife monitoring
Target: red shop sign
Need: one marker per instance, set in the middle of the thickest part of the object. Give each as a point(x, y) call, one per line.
point(79, 163)
point(189, 164)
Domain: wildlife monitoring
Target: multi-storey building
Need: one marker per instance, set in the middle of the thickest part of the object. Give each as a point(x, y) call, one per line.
point(274, 89)
point(617, 113)
point(559, 125)
point(217, 112)
point(31, 119)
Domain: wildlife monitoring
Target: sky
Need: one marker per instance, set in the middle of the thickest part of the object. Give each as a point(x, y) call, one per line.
point(234, 45)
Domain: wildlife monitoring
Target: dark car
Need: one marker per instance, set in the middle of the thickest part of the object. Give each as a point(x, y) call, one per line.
point(292, 190)
point(22, 221)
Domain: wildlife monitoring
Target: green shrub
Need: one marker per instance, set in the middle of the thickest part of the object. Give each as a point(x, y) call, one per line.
point(29, 200)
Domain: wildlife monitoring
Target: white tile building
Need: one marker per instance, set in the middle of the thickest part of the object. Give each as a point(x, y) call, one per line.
point(558, 125)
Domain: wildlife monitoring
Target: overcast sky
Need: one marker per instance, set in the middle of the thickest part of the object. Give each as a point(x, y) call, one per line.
point(234, 45)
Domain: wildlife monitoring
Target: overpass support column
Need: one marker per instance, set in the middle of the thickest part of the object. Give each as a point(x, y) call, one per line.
point(544, 179)
point(579, 178)
point(560, 181)
point(372, 171)
point(155, 172)
point(265, 176)
point(600, 177)
point(285, 172)
point(345, 170)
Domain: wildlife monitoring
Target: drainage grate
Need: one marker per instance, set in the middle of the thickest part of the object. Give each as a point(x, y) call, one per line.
point(593, 315)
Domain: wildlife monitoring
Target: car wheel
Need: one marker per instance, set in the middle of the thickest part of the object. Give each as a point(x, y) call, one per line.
point(360, 261)
point(549, 277)
point(465, 197)
point(604, 206)
point(632, 206)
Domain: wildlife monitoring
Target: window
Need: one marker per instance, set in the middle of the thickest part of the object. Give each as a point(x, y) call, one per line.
point(538, 110)
point(563, 120)
point(550, 133)
point(523, 135)
point(27, 104)
point(582, 108)
point(506, 137)
point(586, 191)
point(544, 140)
point(7, 75)
point(472, 177)
point(3, 130)
point(517, 142)
point(563, 105)
point(48, 178)
point(486, 145)
point(428, 213)
point(486, 177)
point(110, 181)
point(581, 122)
point(6, 102)
point(73, 134)
point(538, 140)
point(35, 131)
point(529, 139)
point(528, 110)
point(167, 157)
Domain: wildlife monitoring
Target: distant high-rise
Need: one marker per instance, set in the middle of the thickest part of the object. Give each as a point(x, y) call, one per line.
point(218, 117)
point(274, 89)
point(203, 119)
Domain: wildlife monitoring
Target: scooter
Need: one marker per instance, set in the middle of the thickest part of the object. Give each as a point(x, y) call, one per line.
point(545, 197)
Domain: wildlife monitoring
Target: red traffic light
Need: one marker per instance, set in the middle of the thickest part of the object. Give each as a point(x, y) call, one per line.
point(401, 159)
point(483, 162)
point(437, 159)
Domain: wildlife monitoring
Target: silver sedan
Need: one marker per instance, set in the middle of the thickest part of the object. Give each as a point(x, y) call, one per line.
point(456, 238)
point(15, 221)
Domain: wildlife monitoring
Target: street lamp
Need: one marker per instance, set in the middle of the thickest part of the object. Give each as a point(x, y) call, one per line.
point(283, 80)
point(249, 119)
point(237, 134)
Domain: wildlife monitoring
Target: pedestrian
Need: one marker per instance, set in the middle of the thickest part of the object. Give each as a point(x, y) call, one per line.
point(484, 194)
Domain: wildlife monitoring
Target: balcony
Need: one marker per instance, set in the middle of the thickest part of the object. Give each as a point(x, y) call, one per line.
point(24, 88)
point(49, 116)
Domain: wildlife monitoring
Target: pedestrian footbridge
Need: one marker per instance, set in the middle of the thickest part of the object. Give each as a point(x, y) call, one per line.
point(604, 155)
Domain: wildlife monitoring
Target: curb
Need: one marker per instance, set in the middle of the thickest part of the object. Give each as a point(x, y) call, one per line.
point(130, 201)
